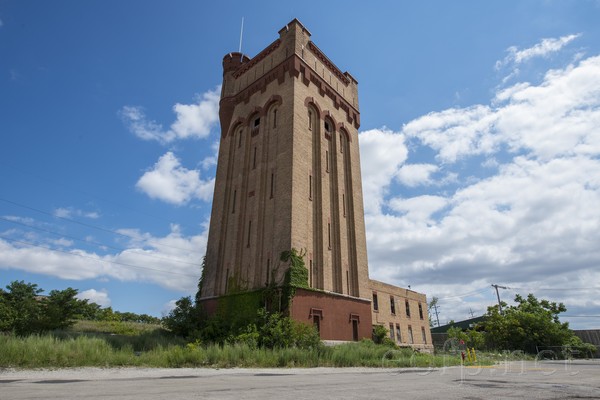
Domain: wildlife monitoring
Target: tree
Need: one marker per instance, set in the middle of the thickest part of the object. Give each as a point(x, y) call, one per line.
point(24, 311)
point(529, 323)
point(20, 308)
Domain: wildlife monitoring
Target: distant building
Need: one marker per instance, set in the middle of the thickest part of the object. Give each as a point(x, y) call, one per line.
point(288, 176)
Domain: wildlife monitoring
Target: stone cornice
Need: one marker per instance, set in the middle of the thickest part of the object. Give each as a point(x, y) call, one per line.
point(292, 66)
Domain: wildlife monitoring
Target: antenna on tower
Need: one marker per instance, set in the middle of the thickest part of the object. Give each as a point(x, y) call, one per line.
point(241, 35)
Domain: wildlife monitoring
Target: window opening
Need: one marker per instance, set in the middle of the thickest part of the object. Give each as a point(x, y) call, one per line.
point(254, 159)
point(391, 331)
point(423, 335)
point(420, 311)
point(392, 305)
point(375, 302)
point(410, 335)
point(398, 336)
point(234, 198)
point(249, 230)
point(275, 118)
point(407, 306)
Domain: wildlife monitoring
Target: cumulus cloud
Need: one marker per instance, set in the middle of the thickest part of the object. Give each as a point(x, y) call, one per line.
point(171, 182)
point(99, 297)
point(191, 120)
point(172, 261)
point(382, 154)
point(531, 221)
point(416, 174)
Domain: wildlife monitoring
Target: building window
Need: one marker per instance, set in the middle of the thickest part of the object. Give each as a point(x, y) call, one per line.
point(275, 118)
point(398, 336)
point(254, 159)
point(327, 127)
point(249, 230)
point(272, 184)
point(410, 335)
point(268, 269)
point(326, 161)
point(391, 331)
point(310, 187)
point(341, 144)
point(344, 204)
point(310, 120)
point(392, 305)
point(255, 127)
point(234, 199)
point(329, 235)
point(423, 335)
point(240, 139)
point(420, 311)
point(407, 308)
point(375, 302)
point(317, 323)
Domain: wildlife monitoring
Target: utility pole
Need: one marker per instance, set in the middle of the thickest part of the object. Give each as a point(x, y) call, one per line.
point(498, 295)
point(471, 312)
point(433, 304)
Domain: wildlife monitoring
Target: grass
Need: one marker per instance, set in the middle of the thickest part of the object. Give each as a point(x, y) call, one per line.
point(144, 346)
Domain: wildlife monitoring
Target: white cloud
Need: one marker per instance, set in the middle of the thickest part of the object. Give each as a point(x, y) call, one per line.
point(70, 212)
point(382, 153)
point(542, 49)
point(416, 174)
point(99, 297)
point(169, 181)
point(533, 223)
point(173, 261)
point(191, 120)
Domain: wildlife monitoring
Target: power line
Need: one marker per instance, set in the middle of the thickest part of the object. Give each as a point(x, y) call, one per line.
point(95, 258)
point(464, 295)
point(97, 243)
point(46, 180)
point(99, 228)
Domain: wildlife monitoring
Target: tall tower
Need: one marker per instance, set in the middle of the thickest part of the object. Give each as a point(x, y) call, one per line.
point(288, 176)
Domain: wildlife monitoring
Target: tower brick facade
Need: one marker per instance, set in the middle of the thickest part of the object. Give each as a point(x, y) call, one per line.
point(288, 176)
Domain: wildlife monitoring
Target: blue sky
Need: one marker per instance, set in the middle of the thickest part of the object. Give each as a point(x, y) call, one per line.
point(480, 143)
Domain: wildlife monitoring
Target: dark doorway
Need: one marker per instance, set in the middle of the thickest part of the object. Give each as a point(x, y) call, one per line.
point(355, 330)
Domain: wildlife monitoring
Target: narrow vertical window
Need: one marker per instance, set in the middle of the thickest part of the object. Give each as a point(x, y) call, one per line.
point(326, 160)
point(392, 305)
point(272, 184)
point(420, 311)
point(310, 120)
point(410, 335)
point(391, 331)
point(407, 306)
point(423, 335)
point(341, 144)
point(344, 203)
point(275, 118)
point(234, 199)
point(375, 302)
point(347, 283)
point(329, 235)
point(268, 269)
point(398, 335)
point(240, 139)
point(249, 230)
point(254, 159)
point(310, 187)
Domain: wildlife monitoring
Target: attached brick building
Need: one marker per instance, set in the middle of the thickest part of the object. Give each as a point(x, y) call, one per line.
point(288, 176)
